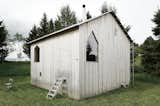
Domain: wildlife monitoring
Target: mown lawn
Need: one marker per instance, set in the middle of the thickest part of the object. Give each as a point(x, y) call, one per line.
point(146, 92)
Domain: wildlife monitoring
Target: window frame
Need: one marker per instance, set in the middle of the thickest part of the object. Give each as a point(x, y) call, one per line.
point(97, 57)
point(36, 54)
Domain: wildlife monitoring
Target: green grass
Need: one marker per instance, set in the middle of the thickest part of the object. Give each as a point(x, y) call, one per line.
point(138, 61)
point(146, 92)
point(14, 68)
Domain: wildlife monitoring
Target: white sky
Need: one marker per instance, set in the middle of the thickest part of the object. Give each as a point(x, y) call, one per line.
point(20, 15)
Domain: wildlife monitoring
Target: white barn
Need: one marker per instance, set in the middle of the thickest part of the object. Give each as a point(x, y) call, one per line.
point(93, 56)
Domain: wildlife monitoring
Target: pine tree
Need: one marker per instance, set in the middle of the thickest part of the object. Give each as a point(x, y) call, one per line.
point(156, 21)
point(33, 34)
point(18, 37)
point(104, 8)
point(88, 15)
point(44, 26)
point(51, 26)
point(156, 32)
point(3, 44)
point(66, 18)
point(58, 25)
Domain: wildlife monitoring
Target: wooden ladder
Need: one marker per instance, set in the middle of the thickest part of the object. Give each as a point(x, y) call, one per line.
point(53, 91)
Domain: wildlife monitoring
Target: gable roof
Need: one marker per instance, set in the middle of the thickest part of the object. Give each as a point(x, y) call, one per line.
point(76, 26)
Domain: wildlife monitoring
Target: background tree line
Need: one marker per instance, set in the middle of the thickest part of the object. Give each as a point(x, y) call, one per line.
point(3, 43)
point(66, 18)
point(149, 51)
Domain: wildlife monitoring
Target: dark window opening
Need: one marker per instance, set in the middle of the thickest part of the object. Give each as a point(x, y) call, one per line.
point(92, 48)
point(36, 54)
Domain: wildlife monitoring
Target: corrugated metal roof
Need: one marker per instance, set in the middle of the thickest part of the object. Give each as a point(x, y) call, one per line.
point(75, 26)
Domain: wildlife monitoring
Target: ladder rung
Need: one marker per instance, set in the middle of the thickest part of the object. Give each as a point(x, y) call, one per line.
point(54, 89)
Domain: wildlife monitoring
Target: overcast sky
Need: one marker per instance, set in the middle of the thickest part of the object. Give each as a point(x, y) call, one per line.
point(20, 15)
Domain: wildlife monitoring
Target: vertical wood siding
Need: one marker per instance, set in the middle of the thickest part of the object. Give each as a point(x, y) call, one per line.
point(66, 56)
point(113, 66)
point(59, 57)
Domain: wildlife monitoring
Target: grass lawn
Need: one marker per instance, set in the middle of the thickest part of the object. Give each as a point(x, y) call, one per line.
point(146, 92)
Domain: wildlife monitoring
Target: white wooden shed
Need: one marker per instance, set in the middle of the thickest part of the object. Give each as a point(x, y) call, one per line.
point(93, 56)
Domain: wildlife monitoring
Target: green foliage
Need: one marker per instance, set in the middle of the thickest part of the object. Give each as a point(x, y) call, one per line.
point(44, 26)
point(57, 25)
point(88, 15)
point(148, 78)
point(156, 21)
point(66, 18)
point(51, 26)
point(33, 34)
point(138, 67)
point(150, 57)
point(14, 69)
point(3, 44)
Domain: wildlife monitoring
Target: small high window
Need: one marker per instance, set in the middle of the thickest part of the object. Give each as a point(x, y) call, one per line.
point(36, 54)
point(92, 48)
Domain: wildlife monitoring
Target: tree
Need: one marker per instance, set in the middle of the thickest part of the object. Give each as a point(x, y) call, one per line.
point(66, 18)
point(33, 34)
point(18, 37)
point(57, 25)
point(156, 32)
point(156, 21)
point(3, 44)
point(104, 8)
point(44, 26)
point(51, 26)
point(147, 59)
point(127, 28)
point(88, 15)
point(151, 54)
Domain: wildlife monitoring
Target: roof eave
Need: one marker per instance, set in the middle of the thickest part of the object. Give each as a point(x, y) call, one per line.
point(73, 27)
point(77, 26)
